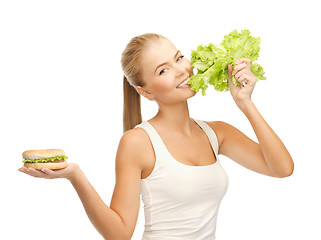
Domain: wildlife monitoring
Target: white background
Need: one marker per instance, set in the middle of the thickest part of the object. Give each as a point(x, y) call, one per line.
point(61, 87)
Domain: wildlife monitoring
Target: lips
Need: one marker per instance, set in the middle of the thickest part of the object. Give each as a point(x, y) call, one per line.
point(182, 83)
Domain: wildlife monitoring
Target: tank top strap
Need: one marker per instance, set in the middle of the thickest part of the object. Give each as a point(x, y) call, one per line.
point(155, 139)
point(210, 133)
point(159, 146)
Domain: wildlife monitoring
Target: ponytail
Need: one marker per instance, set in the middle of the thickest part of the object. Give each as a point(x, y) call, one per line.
point(130, 62)
point(132, 110)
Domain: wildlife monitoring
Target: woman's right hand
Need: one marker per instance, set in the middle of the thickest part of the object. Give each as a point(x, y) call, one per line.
point(68, 172)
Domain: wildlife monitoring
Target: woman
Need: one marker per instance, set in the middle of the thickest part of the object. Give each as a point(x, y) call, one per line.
point(172, 159)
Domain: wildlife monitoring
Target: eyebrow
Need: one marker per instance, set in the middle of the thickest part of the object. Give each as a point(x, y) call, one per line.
point(166, 62)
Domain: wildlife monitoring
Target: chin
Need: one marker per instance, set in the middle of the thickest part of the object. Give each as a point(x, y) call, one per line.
point(192, 94)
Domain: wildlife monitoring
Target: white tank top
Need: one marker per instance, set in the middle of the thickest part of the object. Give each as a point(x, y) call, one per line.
point(181, 201)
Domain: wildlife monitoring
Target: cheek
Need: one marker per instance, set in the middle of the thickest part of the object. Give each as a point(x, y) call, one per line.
point(162, 90)
point(164, 84)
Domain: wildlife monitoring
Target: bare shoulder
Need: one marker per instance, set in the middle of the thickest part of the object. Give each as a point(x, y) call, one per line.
point(134, 137)
point(220, 128)
point(133, 146)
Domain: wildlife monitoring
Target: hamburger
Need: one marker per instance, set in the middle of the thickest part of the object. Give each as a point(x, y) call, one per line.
point(46, 158)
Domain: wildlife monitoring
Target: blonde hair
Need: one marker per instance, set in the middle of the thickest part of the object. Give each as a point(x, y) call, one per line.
point(130, 62)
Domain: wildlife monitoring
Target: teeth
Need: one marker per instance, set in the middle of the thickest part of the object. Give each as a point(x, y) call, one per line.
point(183, 83)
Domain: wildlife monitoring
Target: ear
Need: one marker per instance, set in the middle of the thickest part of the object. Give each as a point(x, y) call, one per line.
point(144, 92)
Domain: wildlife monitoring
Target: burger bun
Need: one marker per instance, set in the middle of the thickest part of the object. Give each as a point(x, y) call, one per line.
point(44, 153)
point(49, 165)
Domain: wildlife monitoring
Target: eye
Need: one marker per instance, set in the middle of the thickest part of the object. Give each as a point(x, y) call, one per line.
point(163, 71)
point(180, 58)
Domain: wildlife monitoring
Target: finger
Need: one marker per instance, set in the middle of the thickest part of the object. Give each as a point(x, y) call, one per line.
point(240, 73)
point(230, 69)
point(239, 67)
point(23, 169)
point(49, 173)
point(33, 172)
point(242, 78)
point(241, 60)
point(244, 60)
point(230, 79)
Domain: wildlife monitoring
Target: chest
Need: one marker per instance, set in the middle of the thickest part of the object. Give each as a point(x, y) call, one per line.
point(191, 151)
point(194, 151)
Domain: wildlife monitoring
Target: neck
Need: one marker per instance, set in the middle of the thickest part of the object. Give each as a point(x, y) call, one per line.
point(175, 118)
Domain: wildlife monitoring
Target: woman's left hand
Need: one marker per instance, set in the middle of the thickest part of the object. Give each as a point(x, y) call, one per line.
point(242, 72)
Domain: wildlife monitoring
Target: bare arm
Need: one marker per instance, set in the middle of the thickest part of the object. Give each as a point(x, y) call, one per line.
point(273, 150)
point(107, 222)
point(269, 156)
point(119, 220)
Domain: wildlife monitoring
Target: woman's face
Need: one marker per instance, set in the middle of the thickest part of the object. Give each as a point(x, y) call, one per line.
point(164, 68)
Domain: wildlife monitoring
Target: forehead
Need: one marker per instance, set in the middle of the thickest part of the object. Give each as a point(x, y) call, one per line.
point(158, 52)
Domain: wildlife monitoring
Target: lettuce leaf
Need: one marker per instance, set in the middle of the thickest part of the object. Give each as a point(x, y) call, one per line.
point(45, 159)
point(211, 61)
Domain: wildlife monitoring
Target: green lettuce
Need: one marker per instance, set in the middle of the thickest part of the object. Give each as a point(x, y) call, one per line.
point(211, 61)
point(45, 159)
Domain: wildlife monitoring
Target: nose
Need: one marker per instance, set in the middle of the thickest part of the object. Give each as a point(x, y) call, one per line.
point(183, 68)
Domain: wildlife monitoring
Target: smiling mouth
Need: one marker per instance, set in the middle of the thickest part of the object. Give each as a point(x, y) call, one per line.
point(183, 83)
